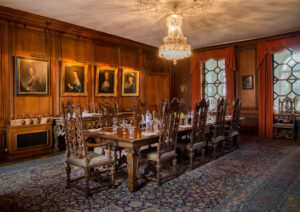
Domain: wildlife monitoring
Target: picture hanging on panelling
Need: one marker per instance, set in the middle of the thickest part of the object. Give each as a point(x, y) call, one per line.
point(247, 82)
point(130, 82)
point(74, 79)
point(106, 81)
point(32, 76)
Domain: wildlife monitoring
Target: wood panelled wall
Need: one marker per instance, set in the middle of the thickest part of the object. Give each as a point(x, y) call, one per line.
point(246, 65)
point(29, 35)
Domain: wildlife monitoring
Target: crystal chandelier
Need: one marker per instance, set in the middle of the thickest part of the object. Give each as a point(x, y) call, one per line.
point(174, 47)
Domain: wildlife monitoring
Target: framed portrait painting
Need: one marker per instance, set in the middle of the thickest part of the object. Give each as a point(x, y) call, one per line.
point(74, 79)
point(247, 82)
point(32, 76)
point(130, 82)
point(106, 81)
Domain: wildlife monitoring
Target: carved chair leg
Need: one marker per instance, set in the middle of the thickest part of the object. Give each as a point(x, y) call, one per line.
point(68, 170)
point(113, 176)
point(158, 173)
point(203, 153)
point(191, 159)
point(174, 167)
point(87, 181)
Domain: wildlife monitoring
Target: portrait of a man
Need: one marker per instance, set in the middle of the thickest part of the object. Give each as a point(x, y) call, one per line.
point(74, 79)
point(32, 76)
point(106, 81)
point(130, 83)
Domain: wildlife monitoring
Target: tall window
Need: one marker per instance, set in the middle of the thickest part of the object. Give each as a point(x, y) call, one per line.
point(286, 68)
point(214, 85)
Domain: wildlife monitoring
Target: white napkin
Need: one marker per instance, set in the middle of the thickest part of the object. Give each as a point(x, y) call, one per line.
point(149, 133)
point(185, 126)
point(107, 133)
point(94, 130)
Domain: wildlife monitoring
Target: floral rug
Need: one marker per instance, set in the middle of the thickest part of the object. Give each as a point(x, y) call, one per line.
point(262, 175)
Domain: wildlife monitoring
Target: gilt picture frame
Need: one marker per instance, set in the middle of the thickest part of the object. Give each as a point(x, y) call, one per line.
point(106, 81)
point(74, 79)
point(31, 76)
point(130, 82)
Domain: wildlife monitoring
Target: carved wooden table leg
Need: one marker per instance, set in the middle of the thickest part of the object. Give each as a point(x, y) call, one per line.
point(132, 165)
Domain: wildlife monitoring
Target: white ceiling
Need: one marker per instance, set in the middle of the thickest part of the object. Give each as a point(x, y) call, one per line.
point(226, 21)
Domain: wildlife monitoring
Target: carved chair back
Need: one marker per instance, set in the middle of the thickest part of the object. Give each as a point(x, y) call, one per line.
point(139, 109)
point(235, 122)
point(199, 121)
point(161, 104)
point(169, 125)
point(73, 124)
point(220, 117)
point(287, 111)
point(107, 108)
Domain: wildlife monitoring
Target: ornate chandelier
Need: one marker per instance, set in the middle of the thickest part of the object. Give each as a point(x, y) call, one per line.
point(174, 47)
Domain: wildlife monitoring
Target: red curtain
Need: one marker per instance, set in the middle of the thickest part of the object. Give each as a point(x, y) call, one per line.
point(230, 66)
point(265, 50)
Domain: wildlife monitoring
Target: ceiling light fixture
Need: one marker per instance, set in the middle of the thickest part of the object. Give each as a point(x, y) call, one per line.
point(174, 47)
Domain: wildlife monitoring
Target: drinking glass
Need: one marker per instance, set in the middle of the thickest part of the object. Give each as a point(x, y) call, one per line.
point(115, 121)
point(131, 132)
point(115, 129)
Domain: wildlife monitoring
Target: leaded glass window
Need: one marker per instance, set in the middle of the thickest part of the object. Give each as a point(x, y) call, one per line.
point(214, 80)
point(286, 74)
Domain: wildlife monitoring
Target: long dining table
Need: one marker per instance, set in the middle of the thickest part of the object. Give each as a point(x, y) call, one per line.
point(132, 145)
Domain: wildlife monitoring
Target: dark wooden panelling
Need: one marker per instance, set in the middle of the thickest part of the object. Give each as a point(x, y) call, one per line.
point(29, 41)
point(129, 58)
point(157, 88)
point(181, 75)
point(246, 65)
point(105, 54)
point(74, 49)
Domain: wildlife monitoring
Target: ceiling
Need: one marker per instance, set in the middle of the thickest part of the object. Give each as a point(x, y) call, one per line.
point(227, 21)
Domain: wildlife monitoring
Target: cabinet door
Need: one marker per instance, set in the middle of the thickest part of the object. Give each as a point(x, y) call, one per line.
point(157, 88)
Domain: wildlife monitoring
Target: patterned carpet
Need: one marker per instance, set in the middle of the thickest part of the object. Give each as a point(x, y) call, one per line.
point(262, 175)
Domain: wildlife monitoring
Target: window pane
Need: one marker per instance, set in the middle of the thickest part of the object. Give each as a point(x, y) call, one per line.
point(214, 80)
point(286, 72)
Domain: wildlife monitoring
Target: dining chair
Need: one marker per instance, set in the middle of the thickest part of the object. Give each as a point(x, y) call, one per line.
point(166, 147)
point(233, 130)
point(197, 139)
point(217, 132)
point(77, 153)
point(285, 126)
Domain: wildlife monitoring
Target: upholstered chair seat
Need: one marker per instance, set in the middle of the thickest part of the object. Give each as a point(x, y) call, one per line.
point(151, 154)
point(94, 159)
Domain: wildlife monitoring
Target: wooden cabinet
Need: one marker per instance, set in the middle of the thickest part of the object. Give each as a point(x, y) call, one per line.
point(28, 140)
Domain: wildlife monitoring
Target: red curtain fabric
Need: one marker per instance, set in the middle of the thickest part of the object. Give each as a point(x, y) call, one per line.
point(218, 54)
point(265, 50)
